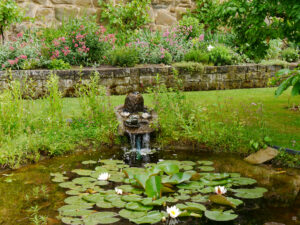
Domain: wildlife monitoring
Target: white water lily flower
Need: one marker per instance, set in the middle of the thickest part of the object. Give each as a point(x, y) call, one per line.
point(119, 191)
point(173, 211)
point(104, 176)
point(210, 47)
point(220, 190)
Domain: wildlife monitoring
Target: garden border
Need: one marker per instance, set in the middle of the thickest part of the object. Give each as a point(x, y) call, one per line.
point(124, 80)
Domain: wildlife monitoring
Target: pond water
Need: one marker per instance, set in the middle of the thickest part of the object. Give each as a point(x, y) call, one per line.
point(31, 186)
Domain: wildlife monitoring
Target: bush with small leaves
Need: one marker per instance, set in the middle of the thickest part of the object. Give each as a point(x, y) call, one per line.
point(123, 56)
point(290, 55)
point(220, 55)
point(196, 55)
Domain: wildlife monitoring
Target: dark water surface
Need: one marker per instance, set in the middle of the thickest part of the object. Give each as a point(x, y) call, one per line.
point(31, 186)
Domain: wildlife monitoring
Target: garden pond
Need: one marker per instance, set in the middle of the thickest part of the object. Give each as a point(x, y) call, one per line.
point(34, 192)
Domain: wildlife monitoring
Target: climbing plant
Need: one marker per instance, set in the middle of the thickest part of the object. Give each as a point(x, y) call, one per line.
point(9, 14)
point(125, 16)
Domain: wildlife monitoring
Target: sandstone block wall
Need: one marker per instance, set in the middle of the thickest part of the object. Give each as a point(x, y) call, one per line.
point(163, 13)
point(124, 80)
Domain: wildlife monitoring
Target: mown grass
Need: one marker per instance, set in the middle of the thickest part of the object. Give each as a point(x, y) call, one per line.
point(230, 120)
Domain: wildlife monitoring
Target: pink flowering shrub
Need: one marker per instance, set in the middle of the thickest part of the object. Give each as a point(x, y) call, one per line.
point(14, 54)
point(80, 43)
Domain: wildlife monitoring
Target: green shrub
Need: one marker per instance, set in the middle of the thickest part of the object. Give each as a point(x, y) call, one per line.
point(274, 49)
point(189, 66)
point(58, 64)
point(290, 55)
point(197, 56)
point(220, 55)
point(123, 56)
point(192, 23)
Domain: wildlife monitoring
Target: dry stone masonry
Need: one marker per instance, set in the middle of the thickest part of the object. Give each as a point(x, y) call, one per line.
point(163, 13)
point(124, 80)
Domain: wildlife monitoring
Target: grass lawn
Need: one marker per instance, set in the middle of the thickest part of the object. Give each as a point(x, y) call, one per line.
point(282, 124)
point(222, 120)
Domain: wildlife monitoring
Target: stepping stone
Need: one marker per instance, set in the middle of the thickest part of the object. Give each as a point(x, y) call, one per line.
point(262, 156)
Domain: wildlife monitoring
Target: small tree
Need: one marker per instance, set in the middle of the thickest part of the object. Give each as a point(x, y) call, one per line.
point(9, 13)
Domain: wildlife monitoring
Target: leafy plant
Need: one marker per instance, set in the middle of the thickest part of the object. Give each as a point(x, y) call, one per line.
point(10, 13)
point(290, 55)
point(123, 56)
point(58, 64)
point(125, 16)
point(220, 55)
point(197, 56)
point(292, 80)
point(193, 24)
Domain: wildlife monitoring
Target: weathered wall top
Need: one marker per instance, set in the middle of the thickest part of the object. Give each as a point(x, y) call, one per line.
point(163, 13)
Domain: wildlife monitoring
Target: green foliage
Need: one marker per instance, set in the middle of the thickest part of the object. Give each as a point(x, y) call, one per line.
point(256, 22)
point(197, 56)
point(58, 64)
point(292, 80)
point(190, 66)
point(125, 16)
point(290, 55)
point(123, 56)
point(205, 10)
point(193, 24)
point(274, 50)
point(220, 55)
point(9, 13)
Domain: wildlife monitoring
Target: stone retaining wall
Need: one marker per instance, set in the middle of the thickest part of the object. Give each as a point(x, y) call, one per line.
point(124, 80)
point(163, 13)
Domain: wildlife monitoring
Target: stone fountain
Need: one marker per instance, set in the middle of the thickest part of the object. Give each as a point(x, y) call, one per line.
point(136, 120)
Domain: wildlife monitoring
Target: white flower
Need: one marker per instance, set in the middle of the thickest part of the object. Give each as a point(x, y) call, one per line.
point(119, 191)
point(104, 176)
point(146, 115)
point(210, 47)
point(220, 190)
point(173, 211)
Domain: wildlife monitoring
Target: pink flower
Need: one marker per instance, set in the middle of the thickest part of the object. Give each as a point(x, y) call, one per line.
point(63, 39)
point(3, 66)
point(11, 48)
point(19, 35)
point(23, 56)
point(11, 62)
point(76, 45)
point(104, 57)
point(162, 56)
point(201, 37)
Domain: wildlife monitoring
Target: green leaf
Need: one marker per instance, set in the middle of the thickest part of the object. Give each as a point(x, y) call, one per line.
point(129, 214)
point(221, 200)
point(136, 206)
point(220, 216)
point(296, 89)
point(100, 218)
point(153, 187)
point(178, 178)
point(170, 168)
point(257, 192)
point(151, 218)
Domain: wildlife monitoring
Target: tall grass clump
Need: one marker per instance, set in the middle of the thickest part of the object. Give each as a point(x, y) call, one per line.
point(182, 119)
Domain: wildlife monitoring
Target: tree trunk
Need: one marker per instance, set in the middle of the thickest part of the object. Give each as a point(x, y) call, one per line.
point(2, 34)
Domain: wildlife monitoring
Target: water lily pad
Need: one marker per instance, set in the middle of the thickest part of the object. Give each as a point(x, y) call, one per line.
point(253, 193)
point(151, 202)
point(207, 190)
point(82, 172)
point(76, 210)
point(101, 182)
point(188, 163)
point(178, 178)
point(83, 180)
point(235, 201)
point(93, 198)
point(200, 198)
point(111, 162)
point(101, 218)
point(205, 163)
point(153, 187)
point(69, 185)
point(88, 162)
point(206, 168)
point(59, 179)
point(74, 200)
point(151, 218)
point(74, 192)
point(136, 206)
point(72, 221)
point(220, 216)
point(241, 181)
point(221, 200)
point(170, 168)
point(129, 214)
point(104, 204)
point(216, 176)
point(130, 189)
point(191, 185)
point(132, 198)
point(182, 197)
point(191, 206)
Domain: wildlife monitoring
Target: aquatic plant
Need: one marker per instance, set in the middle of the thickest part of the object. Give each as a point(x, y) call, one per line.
point(151, 194)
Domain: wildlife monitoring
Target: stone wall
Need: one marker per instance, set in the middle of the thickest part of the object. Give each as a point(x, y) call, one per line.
point(124, 80)
point(163, 13)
